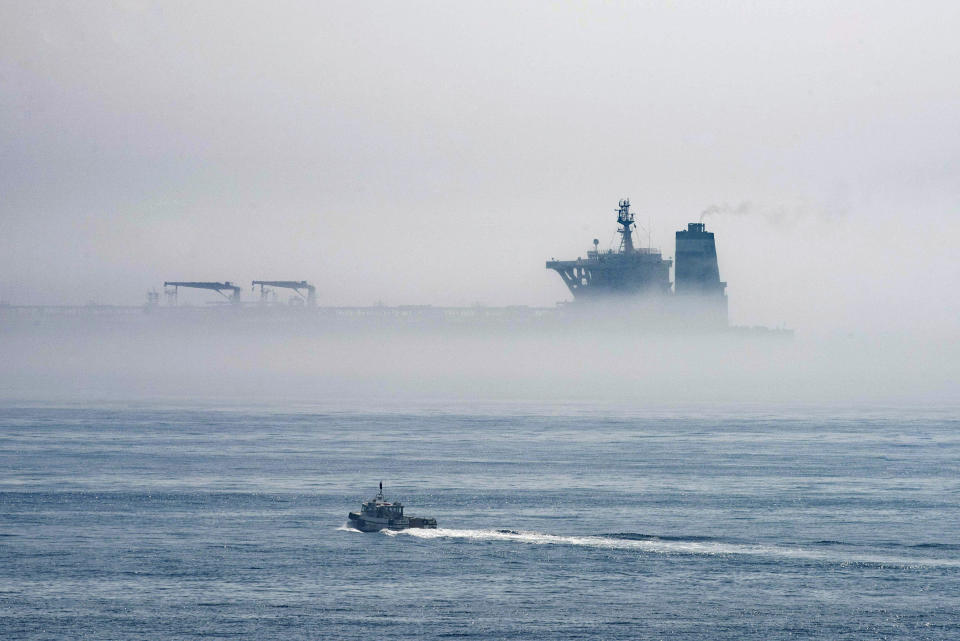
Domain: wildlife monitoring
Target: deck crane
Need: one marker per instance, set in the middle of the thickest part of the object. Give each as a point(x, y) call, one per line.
point(220, 288)
point(295, 285)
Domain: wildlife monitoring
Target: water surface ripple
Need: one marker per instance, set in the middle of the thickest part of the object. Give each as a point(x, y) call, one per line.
point(179, 523)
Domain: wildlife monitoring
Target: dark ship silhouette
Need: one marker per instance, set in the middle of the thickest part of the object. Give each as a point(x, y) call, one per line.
point(640, 276)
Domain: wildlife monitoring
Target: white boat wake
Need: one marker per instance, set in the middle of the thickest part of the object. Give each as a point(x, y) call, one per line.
point(653, 545)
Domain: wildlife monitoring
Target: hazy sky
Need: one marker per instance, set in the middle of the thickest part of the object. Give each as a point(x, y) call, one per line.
point(441, 152)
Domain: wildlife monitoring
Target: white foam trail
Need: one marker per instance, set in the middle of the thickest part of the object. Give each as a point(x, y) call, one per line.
point(655, 546)
point(346, 528)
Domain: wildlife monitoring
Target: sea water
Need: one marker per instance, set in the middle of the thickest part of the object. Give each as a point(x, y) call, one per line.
point(162, 522)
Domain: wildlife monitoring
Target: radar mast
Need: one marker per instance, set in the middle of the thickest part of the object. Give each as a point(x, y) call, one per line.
point(625, 218)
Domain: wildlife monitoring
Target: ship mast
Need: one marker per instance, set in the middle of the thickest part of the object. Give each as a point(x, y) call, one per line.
point(625, 218)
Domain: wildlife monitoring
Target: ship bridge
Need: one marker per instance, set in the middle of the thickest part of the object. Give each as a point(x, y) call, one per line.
point(628, 271)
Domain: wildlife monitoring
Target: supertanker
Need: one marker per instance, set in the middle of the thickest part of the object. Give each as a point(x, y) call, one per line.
point(631, 282)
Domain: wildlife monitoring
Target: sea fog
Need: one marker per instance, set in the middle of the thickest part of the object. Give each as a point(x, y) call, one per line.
point(307, 360)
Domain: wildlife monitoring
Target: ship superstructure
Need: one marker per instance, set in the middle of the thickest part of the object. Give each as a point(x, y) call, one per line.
point(641, 276)
point(629, 271)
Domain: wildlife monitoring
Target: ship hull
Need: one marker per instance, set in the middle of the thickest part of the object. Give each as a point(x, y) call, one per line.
point(375, 524)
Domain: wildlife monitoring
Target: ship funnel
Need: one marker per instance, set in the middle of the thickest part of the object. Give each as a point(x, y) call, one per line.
point(697, 275)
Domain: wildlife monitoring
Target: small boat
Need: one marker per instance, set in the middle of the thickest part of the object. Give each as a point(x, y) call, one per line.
point(378, 514)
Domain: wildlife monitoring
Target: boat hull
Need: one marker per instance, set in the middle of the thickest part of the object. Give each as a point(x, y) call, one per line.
point(375, 524)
